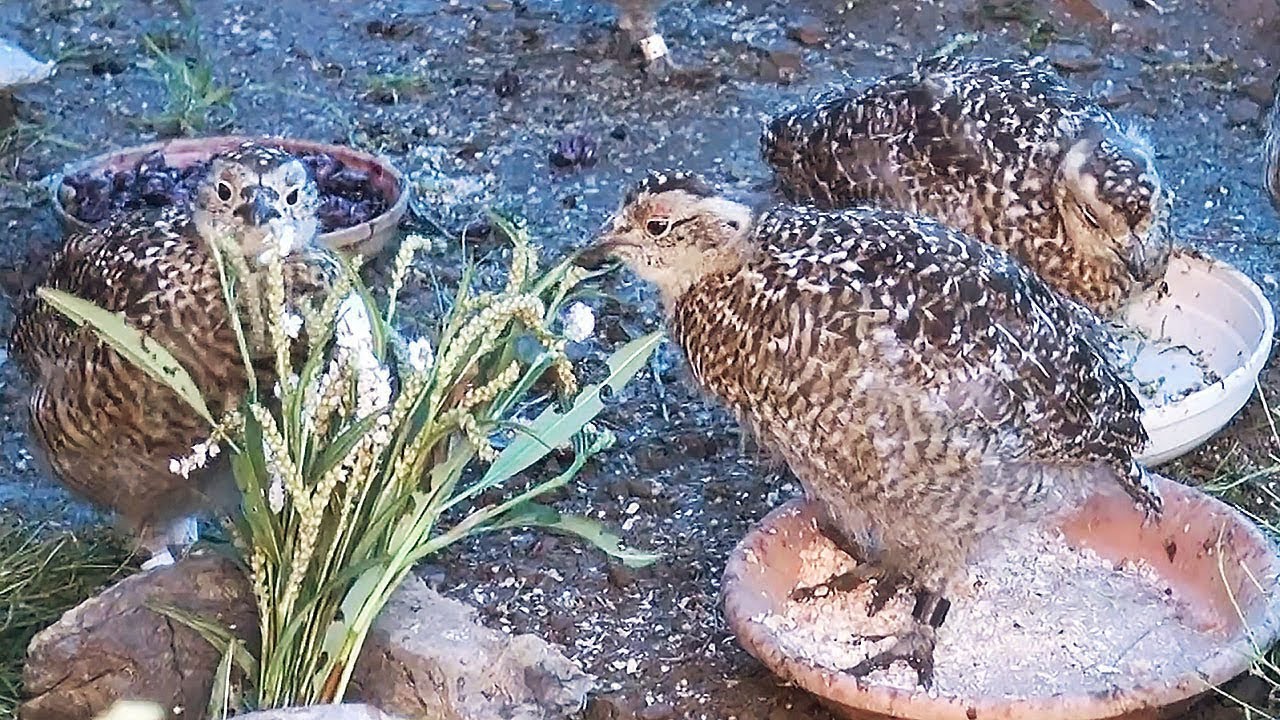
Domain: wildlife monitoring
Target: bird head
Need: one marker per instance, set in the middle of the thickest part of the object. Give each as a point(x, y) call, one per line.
point(262, 197)
point(673, 229)
point(1113, 202)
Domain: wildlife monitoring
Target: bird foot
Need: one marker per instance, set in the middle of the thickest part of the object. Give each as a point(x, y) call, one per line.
point(162, 559)
point(915, 647)
point(184, 532)
point(181, 533)
point(844, 582)
point(885, 587)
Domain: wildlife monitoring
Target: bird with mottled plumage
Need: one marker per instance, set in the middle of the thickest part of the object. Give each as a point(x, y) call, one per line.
point(1271, 147)
point(107, 430)
point(931, 394)
point(1004, 151)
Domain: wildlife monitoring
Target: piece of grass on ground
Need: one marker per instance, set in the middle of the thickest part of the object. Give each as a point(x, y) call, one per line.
point(194, 99)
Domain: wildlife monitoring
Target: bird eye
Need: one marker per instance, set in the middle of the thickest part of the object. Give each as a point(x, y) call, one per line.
point(292, 197)
point(658, 227)
point(224, 192)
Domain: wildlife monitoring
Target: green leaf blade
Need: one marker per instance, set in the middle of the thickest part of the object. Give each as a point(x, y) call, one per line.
point(143, 352)
point(553, 429)
point(531, 514)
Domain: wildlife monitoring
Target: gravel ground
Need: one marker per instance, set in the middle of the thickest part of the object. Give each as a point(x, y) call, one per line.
point(474, 97)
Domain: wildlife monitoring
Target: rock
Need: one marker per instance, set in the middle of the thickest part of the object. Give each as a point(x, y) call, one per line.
point(114, 647)
point(1111, 93)
point(19, 68)
point(808, 32)
point(320, 712)
point(428, 656)
point(1258, 90)
point(1241, 111)
point(609, 707)
point(658, 711)
point(508, 84)
point(781, 66)
point(1072, 57)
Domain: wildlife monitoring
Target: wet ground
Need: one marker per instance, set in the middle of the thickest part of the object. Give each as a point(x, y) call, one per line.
point(473, 97)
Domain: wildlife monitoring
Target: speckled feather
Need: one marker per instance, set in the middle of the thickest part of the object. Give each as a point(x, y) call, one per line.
point(914, 379)
point(976, 144)
point(106, 429)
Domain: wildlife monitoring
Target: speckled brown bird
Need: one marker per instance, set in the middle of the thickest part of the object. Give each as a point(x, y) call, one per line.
point(1271, 148)
point(108, 431)
point(930, 393)
point(1004, 151)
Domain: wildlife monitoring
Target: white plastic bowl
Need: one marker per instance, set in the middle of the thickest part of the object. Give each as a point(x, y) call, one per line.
point(1219, 312)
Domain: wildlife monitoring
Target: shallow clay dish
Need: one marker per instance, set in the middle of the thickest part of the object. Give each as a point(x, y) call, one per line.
point(1219, 312)
point(367, 238)
point(763, 570)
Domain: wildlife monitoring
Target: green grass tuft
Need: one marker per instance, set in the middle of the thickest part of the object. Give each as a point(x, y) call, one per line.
point(194, 99)
point(44, 573)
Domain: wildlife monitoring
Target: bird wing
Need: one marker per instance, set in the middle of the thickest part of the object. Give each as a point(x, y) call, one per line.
point(999, 104)
point(957, 316)
point(128, 266)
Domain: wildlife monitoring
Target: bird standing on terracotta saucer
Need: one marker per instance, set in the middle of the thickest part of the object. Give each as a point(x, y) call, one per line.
point(107, 430)
point(916, 381)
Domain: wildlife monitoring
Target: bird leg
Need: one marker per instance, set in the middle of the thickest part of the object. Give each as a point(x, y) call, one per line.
point(181, 533)
point(915, 646)
point(887, 582)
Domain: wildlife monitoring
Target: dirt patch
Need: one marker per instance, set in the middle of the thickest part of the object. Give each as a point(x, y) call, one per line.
point(487, 102)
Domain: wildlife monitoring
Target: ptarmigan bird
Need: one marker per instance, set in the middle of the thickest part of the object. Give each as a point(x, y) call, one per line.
point(1003, 151)
point(1271, 148)
point(930, 393)
point(107, 430)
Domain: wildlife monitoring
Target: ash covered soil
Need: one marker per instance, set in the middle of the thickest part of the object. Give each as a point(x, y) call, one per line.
point(475, 96)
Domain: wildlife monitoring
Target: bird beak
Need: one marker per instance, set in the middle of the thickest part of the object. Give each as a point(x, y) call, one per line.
point(259, 208)
point(593, 257)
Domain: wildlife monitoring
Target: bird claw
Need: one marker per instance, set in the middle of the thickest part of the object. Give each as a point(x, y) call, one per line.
point(181, 533)
point(914, 647)
point(886, 588)
point(163, 558)
point(843, 582)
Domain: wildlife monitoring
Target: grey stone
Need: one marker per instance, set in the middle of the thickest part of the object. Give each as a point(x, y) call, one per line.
point(1241, 111)
point(1111, 94)
point(808, 31)
point(19, 68)
point(781, 66)
point(429, 656)
point(1072, 57)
